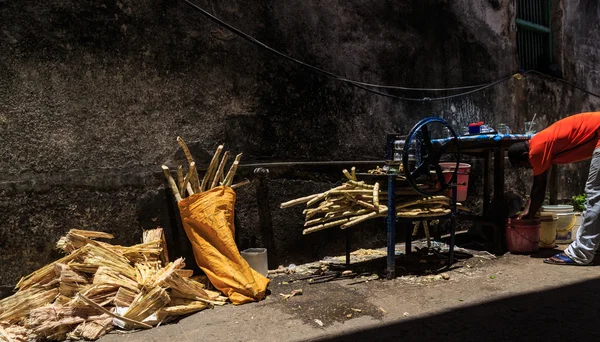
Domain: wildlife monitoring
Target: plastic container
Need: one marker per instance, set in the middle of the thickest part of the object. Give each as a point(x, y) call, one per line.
point(530, 127)
point(475, 127)
point(566, 221)
point(462, 176)
point(503, 129)
point(578, 223)
point(548, 226)
point(558, 209)
point(523, 236)
point(257, 259)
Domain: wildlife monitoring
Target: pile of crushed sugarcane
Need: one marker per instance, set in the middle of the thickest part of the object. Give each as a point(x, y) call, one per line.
point(215, 174)
point(98, 286)
point(356, 201)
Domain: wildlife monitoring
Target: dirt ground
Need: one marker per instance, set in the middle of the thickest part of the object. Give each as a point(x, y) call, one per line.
point(512, 297)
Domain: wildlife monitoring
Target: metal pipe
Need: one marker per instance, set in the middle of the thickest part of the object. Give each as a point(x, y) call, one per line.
point(391, 228)
point(532, 26)
point(317, 163)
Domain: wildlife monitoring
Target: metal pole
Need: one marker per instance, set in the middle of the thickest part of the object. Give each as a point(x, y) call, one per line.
point(391, 227)
point(347, 247)
point(452, 227)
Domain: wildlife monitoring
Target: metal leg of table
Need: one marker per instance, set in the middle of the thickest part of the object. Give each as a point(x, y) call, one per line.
point(452, 228)
point(486, 181)
point(500, 234)
point(391, 228)
point(347, 247)
point(407, 226)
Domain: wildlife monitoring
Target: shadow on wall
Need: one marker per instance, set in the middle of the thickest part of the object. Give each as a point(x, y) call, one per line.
point(158, 209)
point(568, 313)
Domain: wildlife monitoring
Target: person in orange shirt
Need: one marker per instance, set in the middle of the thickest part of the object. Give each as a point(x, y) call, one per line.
point(569, 140)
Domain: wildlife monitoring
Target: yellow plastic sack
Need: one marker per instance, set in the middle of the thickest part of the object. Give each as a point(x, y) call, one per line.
point(207, 218)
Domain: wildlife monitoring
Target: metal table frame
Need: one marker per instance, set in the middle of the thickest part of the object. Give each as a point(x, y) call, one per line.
point(492, 148)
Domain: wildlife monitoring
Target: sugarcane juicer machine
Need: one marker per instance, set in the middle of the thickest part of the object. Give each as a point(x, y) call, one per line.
point(415, 159)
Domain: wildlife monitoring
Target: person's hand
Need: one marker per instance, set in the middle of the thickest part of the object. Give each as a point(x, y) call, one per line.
point(522, 214)
point(525, 211)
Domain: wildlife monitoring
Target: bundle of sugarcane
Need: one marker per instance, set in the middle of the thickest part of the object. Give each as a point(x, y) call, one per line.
point(356, 201)
point(189, 184)
point(78, 296)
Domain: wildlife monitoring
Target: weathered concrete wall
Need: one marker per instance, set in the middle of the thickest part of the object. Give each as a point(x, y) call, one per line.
point(93, 94)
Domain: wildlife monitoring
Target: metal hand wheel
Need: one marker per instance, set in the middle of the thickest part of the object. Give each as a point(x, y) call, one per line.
point(426, 155)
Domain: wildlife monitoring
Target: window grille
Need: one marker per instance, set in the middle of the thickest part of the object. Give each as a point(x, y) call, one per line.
point(534, 33)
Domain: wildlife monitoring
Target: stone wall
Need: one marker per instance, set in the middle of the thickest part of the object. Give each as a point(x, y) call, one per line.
point(94, 93)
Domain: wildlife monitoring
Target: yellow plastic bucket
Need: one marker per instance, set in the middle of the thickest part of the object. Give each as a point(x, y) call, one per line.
point(548, 229)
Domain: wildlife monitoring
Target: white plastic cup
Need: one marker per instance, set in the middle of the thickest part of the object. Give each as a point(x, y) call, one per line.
point(257, 259)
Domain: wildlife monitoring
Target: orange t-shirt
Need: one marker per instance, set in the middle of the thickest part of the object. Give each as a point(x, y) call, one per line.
point(566, 141)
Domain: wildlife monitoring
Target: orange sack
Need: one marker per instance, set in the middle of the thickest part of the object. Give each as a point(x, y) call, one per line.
point(207, 218)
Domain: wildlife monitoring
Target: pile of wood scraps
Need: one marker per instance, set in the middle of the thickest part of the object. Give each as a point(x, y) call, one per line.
point(190, 183)
point(98, 286)
point(357, 201)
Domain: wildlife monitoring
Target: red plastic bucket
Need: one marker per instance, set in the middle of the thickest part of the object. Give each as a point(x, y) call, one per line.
point(462, 177)
point(523, 236)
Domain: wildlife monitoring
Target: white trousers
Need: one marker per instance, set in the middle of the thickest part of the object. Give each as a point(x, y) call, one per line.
point(582, 249)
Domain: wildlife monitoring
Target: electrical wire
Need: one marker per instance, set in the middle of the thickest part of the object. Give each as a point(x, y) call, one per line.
point(561, 80)
point(361, 85)
point(365, 86)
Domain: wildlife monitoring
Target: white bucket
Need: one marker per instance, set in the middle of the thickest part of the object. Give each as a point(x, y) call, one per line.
point(257, 259)
point(566, 222)
point(558, 209)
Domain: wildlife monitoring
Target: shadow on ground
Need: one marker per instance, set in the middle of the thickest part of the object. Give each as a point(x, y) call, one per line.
point(568, 313)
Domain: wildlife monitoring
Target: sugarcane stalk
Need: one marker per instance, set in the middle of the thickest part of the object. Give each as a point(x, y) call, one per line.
point(323, 226)
point(361, 219)
point(367, 205)
point(297, 201)
point(324, 206)
point(427, 235)
point(325, 194)
point(416, 228)
point(376, 194)
point(353, 172)
point(423, 210)
point(351, 191)
point(189, 189)
point(240, 184)
point(186, 181)
point(350, 198)
point(5, 334)
point(361, 184)
point(186, 151)
point(229, 178)
point(180, 180)
point(424, 214)
point(333, 217)
point(195, 180)
point(220, 169)
point(96, 306)
point(211, 168)
point(348, 175)
point(426, 200)
point(171, 182)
